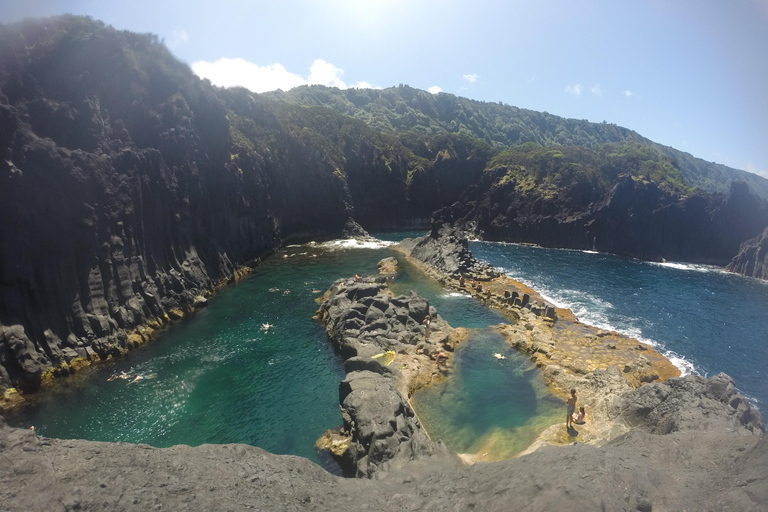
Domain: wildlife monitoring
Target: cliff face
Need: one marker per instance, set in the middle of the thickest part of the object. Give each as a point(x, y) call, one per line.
point(632, 217)
point(131, 188)
point(752, 259)
point(119, 206)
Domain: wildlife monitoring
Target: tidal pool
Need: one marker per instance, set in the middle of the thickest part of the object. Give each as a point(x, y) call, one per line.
point(489, 407)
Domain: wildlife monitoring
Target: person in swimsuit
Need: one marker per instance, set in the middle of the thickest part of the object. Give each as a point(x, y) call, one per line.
point(578, 418)
point(137, 378)
point(570, 409)
point(427, 320)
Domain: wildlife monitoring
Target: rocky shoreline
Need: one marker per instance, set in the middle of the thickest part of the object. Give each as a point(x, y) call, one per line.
point(674, 443)
point(604, 366)
point(388, 357)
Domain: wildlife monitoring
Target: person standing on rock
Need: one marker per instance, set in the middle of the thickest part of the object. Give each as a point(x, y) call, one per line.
point(570, 409)
point(426, 322)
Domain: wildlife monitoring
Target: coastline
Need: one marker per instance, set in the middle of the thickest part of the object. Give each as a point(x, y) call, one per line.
point(111, 348)
point(600, 364)
point(707, 457)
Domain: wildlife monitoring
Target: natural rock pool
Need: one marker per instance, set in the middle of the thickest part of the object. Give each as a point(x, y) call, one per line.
point(217, 377)
point(491, 407)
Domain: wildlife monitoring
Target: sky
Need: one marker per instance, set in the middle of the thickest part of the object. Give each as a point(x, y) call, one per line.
point(691, 74)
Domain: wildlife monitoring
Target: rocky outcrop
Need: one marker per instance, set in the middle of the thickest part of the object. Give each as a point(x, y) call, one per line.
point(752, 259)
point(689, 403)
point(132, 189)
point(445, 249)
point(372, 328)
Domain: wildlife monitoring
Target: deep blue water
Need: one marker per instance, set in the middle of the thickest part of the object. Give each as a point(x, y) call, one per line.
point(704, 319)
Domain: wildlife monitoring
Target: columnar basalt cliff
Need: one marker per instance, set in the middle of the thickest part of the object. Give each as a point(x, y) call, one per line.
point(131, 188)
point(630, 216)
point(752, 259)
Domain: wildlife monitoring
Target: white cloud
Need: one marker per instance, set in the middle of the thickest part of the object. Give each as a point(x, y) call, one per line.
point(239, 72)
point(471, 77)
point(325, 73)
point(363, 85)
point(574, 89)
point(435, 89)
point(628, 94)
point(596, 90)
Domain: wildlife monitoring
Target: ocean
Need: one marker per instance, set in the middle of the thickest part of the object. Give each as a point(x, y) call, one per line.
point(702, 318)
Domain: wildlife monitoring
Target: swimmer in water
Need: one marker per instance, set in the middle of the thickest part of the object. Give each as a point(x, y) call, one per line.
point(272, 290)
point(266, 327)
point(286, 292)
point(499, 356)
point(137, 378)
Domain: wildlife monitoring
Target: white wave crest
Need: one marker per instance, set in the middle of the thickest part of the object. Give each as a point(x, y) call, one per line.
point(351, 243)
point(593, 310)
point(693, 267)
point(448, 295)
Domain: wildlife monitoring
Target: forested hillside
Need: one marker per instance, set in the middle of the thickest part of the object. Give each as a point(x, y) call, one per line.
point(501, 126)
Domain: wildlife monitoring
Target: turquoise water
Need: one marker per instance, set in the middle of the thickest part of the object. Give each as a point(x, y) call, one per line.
point(704, 319)
point(488, 406)
point(217, 377)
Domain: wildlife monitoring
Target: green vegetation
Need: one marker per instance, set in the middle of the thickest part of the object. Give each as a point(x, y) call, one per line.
point(405, 109)
point(408, 132)
point(546, 171)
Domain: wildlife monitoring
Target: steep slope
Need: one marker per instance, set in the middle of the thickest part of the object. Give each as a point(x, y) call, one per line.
point(752, 259)
point(503, 126)
point(120, 203)
point(620, 198)
point(131, 188)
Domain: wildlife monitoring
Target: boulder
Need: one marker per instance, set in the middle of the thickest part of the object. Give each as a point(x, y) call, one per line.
point(688, 403)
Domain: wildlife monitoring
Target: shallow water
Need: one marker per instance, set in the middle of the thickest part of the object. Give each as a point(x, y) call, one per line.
point(489, 406)
point(218, 378)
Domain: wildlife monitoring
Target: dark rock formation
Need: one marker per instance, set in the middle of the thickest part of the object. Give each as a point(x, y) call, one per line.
point(634, 218)
point(689, 403)
point(131, 189)
point(686, 470)
point(445, 249)
point(752, 259)
point(363, 320)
